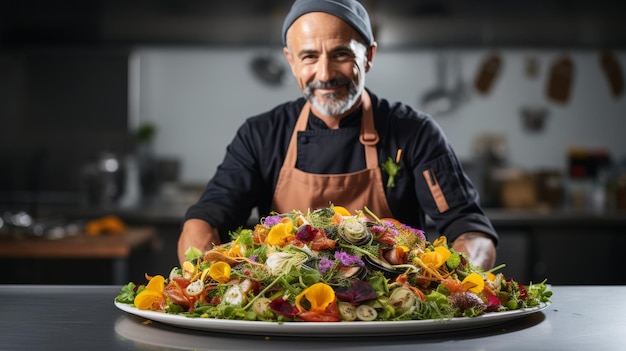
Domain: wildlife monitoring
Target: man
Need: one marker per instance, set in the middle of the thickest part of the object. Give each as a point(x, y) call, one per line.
point(329, 146)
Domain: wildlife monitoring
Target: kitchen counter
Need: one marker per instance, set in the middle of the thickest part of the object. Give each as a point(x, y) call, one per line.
point(117, 248)
point(84, 317)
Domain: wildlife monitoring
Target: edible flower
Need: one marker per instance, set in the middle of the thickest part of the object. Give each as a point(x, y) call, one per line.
point(441, 241)
point(436, 258)
point(348, 260)
point(236, 250)
point(152, 295)
point(473, 282)
point(325, 264)
point(319, 296)
point(341, 210)
point(281, 234)
point(271, 221)
point(220, 271)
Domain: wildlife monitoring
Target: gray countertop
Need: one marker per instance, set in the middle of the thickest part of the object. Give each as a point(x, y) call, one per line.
point(85, 318)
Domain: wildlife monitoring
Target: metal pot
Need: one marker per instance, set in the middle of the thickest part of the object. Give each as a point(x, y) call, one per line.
point(439, 100)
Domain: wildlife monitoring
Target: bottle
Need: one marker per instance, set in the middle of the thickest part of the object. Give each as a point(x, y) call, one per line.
point(132, 189)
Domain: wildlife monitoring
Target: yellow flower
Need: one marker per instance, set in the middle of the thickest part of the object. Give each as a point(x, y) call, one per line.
point(235, 249)
point(441, 241)
point(341, 210)
point(281, 234)
point(474, 283)
point(436, 258)
point(153, 293)
point(220, 271)
point(318, 295)
point(189, 269)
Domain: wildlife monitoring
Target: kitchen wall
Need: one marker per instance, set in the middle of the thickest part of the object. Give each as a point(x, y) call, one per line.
point(199, 96)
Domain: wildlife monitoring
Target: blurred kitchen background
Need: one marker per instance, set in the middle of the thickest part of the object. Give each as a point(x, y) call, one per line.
point(125, 108)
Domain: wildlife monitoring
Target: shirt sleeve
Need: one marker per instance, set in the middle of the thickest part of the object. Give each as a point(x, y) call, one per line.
point(445, 192)
point(246, 177)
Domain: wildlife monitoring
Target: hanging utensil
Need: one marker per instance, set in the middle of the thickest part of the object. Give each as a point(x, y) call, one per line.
point(613, 71)
point(560, 80)
point(460, 88)
point(439, 100)
point(487, 73)
point(268, 69)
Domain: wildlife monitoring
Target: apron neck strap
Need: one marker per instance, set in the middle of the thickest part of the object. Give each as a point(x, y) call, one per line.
point(368, 137)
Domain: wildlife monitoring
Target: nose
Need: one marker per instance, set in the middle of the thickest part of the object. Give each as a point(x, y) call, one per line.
point(324, 69)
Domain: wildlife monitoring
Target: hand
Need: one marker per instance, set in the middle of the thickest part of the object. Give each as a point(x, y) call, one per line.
point(478, 247)
point(199, 234)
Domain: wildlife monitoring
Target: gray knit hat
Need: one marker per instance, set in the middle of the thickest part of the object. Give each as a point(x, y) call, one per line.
point(350, 11)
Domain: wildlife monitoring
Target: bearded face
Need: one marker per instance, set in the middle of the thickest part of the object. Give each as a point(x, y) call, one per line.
point(329, 61)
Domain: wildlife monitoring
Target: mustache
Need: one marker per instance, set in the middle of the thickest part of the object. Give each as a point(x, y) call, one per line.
point(335, 82)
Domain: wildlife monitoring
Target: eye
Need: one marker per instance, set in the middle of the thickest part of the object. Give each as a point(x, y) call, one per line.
point(343, 55)
point(308, 58)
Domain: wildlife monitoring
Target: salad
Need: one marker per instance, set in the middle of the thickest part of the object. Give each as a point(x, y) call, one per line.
point(330, 265)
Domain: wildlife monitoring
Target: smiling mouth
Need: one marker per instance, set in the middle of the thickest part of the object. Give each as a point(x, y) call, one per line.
point(330, 91)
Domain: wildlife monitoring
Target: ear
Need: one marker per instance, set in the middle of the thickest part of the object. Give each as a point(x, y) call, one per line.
point(371, 52)
point(290, 59)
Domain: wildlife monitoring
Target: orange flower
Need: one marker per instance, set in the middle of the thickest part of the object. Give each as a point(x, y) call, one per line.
point(436, 258)
point(341, 210)
point(441, 241)
point(220, 271)
point(318, 295)
point(152, 295)
point(281, 234)
point(235, 249)
point(474, 283)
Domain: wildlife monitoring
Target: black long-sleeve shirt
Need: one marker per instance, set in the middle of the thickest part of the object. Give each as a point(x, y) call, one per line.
point(248, 174)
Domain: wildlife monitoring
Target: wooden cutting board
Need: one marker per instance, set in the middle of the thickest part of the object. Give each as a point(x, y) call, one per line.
point(560, 80)
point(487, 73)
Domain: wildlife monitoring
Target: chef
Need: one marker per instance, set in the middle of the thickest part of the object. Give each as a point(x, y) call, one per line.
point(341, 144)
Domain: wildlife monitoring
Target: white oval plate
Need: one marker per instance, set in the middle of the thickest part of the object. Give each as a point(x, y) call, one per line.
point(331, 329)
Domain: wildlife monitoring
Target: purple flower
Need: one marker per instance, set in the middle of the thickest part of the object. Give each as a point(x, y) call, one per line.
point(271, 221)
point(325, 264)
point(418, 232)
point(348, 260)
point(253, 258)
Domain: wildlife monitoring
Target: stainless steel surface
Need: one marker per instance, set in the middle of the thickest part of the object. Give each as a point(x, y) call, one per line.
point(81, 317)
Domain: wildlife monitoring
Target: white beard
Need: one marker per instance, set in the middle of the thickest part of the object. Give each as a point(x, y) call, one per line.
point(330, 104)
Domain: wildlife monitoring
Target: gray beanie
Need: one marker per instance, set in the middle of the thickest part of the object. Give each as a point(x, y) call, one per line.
point(350, 11)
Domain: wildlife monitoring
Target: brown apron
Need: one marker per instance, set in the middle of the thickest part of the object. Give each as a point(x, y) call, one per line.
point(298, 190)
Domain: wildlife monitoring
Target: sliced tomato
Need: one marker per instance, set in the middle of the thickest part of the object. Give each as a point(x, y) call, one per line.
point(310, 316)
point(330, 314)
point(181, 282)
point(178, 296)
point(321, 241)
point(387, 238)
